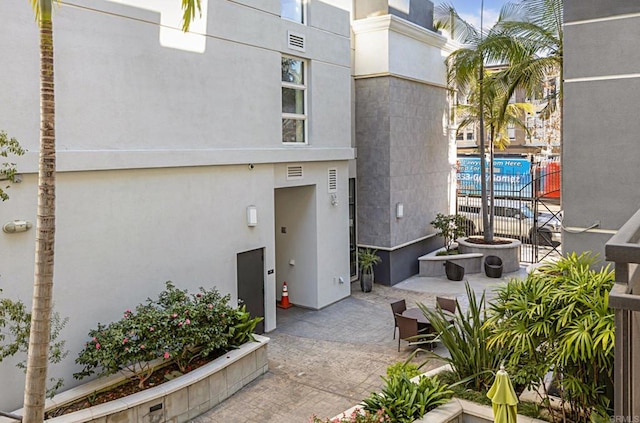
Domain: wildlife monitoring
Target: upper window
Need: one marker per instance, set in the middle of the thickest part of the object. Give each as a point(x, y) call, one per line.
point(294, 90)
point(292, 10)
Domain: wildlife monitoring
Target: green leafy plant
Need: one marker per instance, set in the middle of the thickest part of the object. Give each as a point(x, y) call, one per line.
point(177, 327)
point(465, 337)
point(8, 146)
point(15, 327)
point(367, 258)
point(450, 227)
point(358, 416)
point(193, 325)
point(405, 401)
point(558, 319)
point(409, 369)
point(241, 326)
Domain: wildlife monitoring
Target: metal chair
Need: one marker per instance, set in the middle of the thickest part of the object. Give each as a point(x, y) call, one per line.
point(407, 328)
point(397, 307)
point(447, 304)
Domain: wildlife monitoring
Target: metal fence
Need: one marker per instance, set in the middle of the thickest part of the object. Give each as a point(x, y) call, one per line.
point(526, 204)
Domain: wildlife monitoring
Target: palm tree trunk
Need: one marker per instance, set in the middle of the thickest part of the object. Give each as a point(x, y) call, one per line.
point(37, 360)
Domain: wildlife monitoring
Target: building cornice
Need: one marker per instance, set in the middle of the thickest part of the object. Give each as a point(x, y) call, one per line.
point(401, 26)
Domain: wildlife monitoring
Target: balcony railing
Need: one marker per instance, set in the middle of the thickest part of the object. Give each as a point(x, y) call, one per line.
point(624, 250)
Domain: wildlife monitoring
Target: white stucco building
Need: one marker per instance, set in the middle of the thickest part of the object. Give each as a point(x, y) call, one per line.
point(167, 143)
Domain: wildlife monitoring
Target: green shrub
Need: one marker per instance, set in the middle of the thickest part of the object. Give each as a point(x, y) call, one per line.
point(241, 326)
point(470, 356)
point(15, 327)
point(358, 416)
point(409, 369)
point(405, 401)
point(558, 319)
point(450, 227)
point(177, 327)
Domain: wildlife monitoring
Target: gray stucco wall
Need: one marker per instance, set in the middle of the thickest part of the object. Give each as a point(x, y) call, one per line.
point(402, 158)
point(419, 12)
point(601, 125)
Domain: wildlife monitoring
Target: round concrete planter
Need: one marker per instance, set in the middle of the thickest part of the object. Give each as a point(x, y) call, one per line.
point(509, 253)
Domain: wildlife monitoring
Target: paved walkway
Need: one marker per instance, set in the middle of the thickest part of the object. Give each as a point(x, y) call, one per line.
point(324, 362)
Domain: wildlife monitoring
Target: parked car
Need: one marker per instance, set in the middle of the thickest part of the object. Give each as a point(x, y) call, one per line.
point(514, 219)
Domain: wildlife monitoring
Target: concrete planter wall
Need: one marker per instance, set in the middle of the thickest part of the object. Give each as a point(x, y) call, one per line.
point(433, 265)
point(509, 253)
point(178, 400)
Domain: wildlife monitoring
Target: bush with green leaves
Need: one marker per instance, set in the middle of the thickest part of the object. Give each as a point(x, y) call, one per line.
point(405, 401)
point(450, 227)
point(465, 336)
point(357, 416)
point(410, 369)
point(15, 327)
point(8, 146)
point(177, 327)
point(241, 326)
point(558, 319)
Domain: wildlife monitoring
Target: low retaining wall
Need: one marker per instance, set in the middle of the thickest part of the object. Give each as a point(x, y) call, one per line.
point(509, 253)
point(178, 400)
point(433, 265)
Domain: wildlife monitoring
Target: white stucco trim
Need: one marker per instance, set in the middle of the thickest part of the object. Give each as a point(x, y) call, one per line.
point(397, 247)
point(605, 19)
point(401, 26)
point(407, 78)
point(603, 78)
point(74, 161)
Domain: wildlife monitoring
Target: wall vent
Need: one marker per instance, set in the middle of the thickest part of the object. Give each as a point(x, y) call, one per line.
point(294, 172)
point(295, 41)
point(333, 180)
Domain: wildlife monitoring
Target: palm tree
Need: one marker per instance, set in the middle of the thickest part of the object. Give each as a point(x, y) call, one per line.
point(496, 119)
point(528, 36)
point(35, 382)
point(465, 73)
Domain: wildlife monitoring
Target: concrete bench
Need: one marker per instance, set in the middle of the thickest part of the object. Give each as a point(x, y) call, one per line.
point(433, 265)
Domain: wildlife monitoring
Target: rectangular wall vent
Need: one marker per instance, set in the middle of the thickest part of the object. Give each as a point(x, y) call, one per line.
point(333, 180)
point(294, 172)
point(295, 41)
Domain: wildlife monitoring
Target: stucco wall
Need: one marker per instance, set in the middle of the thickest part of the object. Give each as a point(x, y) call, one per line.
point(403, 151)
point(600, 148)
point(154, 147)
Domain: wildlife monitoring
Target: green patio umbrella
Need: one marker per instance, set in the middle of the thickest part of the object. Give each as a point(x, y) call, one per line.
point(504, 399)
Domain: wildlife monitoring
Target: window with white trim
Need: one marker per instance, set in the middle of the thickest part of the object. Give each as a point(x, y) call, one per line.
point(292, 10)
point(294, 99)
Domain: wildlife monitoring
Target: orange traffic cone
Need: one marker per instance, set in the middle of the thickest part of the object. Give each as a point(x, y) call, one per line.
point(285, 297)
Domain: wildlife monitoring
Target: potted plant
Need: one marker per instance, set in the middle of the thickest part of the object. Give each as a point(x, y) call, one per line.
point(367, 258)
point(450, 227)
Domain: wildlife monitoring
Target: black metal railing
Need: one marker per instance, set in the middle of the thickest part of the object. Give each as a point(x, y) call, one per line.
point(623, 249)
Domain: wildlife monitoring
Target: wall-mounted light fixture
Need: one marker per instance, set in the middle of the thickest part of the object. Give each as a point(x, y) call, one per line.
point(16, 226)
point(399, 210)
point(252, 216)
point(334, 200)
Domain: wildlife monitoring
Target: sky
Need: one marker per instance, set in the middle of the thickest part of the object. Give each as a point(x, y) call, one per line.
point(469, 10)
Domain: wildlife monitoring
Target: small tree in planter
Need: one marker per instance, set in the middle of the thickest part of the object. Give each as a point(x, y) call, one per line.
point(368, 260)
point(450, 227)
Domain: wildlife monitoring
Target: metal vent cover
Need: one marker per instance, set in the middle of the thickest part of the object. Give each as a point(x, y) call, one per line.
point(333, 180)
point(294, 172)
point(295, 41)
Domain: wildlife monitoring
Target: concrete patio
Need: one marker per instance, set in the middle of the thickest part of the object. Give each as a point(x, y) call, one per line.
point(323, 362)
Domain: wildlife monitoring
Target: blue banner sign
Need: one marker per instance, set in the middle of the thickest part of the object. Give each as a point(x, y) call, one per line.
point(512, 176)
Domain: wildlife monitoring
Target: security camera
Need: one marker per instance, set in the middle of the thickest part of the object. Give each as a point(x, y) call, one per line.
point(251, 166)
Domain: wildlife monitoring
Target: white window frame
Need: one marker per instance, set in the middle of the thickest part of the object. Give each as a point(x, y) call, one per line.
point(303, 87)
point(303, 17)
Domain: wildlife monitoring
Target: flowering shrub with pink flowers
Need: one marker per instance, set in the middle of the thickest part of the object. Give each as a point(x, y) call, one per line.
point(358, 416)
point(177, 327)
